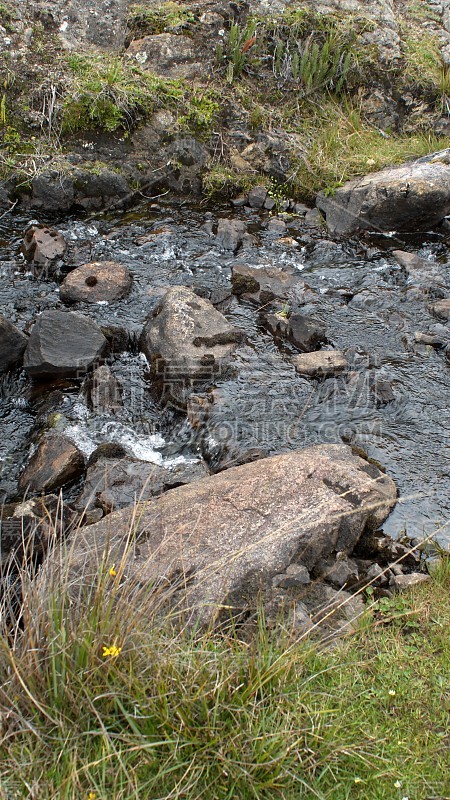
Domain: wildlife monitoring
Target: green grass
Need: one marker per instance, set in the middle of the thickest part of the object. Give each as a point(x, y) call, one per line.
point(339, 144)
point(164, 17)
point(189, 716)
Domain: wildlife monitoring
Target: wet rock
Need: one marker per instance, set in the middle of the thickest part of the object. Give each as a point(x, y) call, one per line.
point(103, 391)
point(12, 344)
point(263, 284)
point(63, 343)
point(239, 201)
point(42, 246)
point(168, 55)
point(117, 483)
point(401, 583)
point(232, 234)
point(302, 331)
point(257, 196)
point(100, 281)
point(55, 462)
point(412, 197)
point(442, 308)
point(276, 225)
point(321, 363)
point(216, 544)
point(381, 390)
point(79, 188)
point(186, 341)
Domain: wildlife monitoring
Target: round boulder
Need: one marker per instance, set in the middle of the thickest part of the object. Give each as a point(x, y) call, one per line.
point(97, 282)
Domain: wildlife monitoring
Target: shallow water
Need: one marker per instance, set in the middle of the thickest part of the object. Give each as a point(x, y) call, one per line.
point(371, 309)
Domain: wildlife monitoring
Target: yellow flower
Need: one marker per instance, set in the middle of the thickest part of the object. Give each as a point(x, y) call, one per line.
point(112, 651)
point(91, 796)
point(391, 692)
point(112, 571)
point(357, 780)
point(398, 784)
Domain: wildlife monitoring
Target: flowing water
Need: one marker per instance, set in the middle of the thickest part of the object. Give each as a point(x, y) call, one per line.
point(371, 309)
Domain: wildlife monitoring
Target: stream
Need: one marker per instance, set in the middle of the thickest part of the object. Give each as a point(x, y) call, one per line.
point(371, 308)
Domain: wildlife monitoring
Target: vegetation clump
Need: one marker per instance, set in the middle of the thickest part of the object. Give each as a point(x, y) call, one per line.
point(100, 699)
point(163, 18)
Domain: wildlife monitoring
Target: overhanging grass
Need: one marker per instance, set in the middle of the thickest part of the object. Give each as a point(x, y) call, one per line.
point(339, 145)
point(184, 716)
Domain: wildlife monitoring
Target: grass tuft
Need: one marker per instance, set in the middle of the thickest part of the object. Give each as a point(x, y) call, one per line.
point(100, 696)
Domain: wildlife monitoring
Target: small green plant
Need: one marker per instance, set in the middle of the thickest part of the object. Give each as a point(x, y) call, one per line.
point(238, 49)
point(108, 93)
point(284, 312)
point(314, 65)
point(202, 110)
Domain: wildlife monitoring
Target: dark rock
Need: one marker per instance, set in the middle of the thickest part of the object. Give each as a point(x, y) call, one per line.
point(188, 152)
point(296, 575)
point(412, 197)
point(80, 188)
point(216, 544)
point(377, 575)
point(25, 529)
point(111, 484)
point(304, 332)
point(337, 611)
point(97, 190)
point(339, 572)
point(321, 363)
point(42, 246)
point(52, 191)
point(12, 344)
point(63, 343)
point(239, 201)
point(104, 281)
point(107, 450)
point(55, 462)
point(231, 233)
point(186, 341)
point(263, 284)
point(382, 391)
point(103, 391)
point(257, 196)
point(119, 339)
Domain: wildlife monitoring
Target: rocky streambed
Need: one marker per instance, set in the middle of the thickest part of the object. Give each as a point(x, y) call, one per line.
point(281, 339)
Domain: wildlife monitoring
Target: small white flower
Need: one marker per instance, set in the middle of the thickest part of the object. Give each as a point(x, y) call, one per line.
point(221, 32)
point(398, 784)
point(391, 692)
